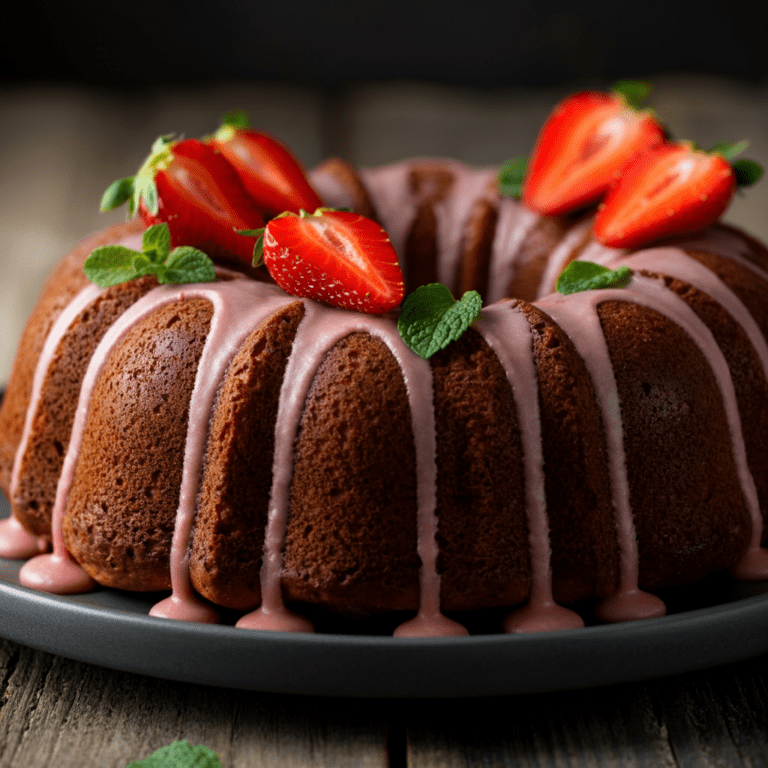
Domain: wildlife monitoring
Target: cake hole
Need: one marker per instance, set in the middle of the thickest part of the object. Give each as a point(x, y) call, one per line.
point(59, 447)
point(646, 388)
point(34, 504)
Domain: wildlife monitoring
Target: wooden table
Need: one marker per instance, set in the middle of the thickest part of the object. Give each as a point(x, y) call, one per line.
point(57, 712)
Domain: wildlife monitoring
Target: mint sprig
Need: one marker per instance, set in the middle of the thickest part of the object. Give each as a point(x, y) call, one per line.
point(180, 754)
point(114, 264)
point(511, 176)
point(586, 276)
point(431, 318)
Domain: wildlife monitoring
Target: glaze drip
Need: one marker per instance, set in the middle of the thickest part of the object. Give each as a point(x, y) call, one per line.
point(508, 334)
point(240, 306)
point(577, 315)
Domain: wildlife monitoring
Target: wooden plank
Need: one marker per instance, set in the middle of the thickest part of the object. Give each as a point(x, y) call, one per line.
point(612, 726)
point(73, 715)
point(703, 720)
point(718, 718)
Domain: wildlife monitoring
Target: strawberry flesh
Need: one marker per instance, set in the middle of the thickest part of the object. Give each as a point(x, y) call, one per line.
point(671, 190)
point(336, 257)
point(581, 149)
point(203, 201)
point(269, 172)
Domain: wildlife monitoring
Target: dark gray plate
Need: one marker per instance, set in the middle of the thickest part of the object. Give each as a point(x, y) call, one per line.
point(714, 622)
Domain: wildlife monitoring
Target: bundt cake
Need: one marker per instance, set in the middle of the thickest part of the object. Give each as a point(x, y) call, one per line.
point(231, 441)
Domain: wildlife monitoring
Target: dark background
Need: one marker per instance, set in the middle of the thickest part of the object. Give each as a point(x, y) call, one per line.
point(340, 42)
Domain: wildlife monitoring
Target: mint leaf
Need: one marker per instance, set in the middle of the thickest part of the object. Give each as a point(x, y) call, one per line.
point(635, 92)
point(156, 242)
point(114, 264)
point(586, 276)
point(236, 119)
point(747, 172)
point(142, 265)
point(187, 265)
point(431, 318)
point(117, 193)
point(511, 176)
point(110, 265)
point(180, 754)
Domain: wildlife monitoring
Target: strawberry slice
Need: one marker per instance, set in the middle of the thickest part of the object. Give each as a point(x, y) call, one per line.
point(191, 187)
point(674, 189)
point(582, 147)
point(272, 176)
point(336, 257)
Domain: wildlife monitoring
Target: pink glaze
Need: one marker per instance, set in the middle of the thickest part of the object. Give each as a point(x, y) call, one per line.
point(320, 329)
point(514, 224)
point(753, 566)
point(508, 334)
point(16, 543)
point(238, 309)
point(390, 191)
point(469, 185)
point(57, 573)
point(577, 315)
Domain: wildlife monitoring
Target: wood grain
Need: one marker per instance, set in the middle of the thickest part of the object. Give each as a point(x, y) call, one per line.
point(56, 712)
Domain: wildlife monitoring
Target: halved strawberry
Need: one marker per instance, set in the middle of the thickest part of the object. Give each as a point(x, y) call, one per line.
point(272, 176)
point(336, 257)
point(582, 147)
point(191, 187)
point(674, 189)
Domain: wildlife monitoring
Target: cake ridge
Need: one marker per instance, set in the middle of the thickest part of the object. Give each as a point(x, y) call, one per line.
point(506, 330)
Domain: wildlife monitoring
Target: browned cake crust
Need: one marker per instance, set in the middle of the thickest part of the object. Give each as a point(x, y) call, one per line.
point(120, 526)
point(679, 457)
point(227, 547)
point(352, 542)
point(61, 286)
point(351, 539)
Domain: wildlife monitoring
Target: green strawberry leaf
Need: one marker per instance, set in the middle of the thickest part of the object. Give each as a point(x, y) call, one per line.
point(187, 265)
point(511, 176)
point(258, 246)
point(110, 265)
point(586, 276)
point(635, 92)
point(147, 193)
point(180, 754)
point(236, 119)
point(156, 242)
point(431, 318)
point(117, 193)
point(728, 149)
point(114, 264)
point(747, 172)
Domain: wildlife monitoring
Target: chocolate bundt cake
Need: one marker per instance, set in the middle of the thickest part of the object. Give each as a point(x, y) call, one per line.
point(230, 441)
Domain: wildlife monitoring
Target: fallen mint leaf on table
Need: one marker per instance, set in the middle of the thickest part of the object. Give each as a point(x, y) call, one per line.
point(586, 276)
point(115, 264)
point(431, 318)
point(180, 754)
